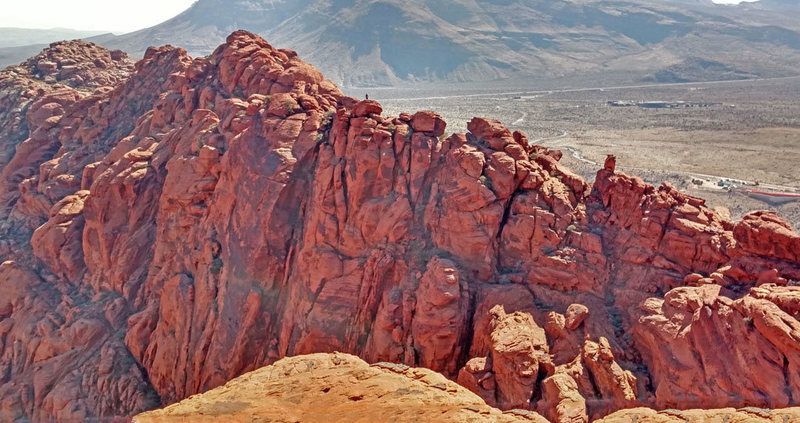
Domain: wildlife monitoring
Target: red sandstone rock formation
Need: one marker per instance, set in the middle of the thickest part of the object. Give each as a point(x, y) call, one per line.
point(46, 93)
point(518, 354)
point(337, 388)
point(206, 217)
point(757, 333)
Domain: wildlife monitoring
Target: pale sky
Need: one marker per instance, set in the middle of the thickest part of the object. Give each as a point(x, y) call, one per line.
point(117, 16)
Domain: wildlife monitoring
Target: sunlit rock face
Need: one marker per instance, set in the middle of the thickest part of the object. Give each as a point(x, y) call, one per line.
point(337, 388)
point(169, 226)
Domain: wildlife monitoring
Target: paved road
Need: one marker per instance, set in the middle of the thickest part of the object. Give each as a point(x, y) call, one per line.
point(538, 93)
point(714, 179)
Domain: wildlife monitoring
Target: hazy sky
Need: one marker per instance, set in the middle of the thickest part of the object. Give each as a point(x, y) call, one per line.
point(99, 15)
point(89, 15)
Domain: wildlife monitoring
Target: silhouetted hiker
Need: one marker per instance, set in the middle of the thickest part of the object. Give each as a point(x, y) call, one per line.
point(367, 96)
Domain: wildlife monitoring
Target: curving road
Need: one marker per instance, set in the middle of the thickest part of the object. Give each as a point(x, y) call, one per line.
point(576, 154)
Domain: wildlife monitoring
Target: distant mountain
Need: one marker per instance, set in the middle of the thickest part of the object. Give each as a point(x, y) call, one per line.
point(388, 42)
point(17, 37)
point(18, 44)
point(695, 69)
point(15, 55)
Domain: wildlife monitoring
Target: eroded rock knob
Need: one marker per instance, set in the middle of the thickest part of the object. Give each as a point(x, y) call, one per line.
point(611, 163)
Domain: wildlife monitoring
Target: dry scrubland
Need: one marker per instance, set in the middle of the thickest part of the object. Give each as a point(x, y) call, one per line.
point(753, 134)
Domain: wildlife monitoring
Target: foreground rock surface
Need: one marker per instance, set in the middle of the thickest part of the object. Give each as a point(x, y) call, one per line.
point(336, 388)
point(202, 218)
point(724, 415)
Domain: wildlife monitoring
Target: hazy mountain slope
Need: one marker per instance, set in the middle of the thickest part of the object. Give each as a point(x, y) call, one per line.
point(15, 55)
point(381, 42)
point(782, 5)
point(17, 37)
point(18, 44)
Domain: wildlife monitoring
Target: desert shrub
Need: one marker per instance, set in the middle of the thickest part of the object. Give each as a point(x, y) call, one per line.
point(216, 266)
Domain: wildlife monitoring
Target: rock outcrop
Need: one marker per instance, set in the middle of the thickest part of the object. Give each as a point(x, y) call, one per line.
point(758, 332)
point(337, 388)
point(205, 217)
point(518, 353)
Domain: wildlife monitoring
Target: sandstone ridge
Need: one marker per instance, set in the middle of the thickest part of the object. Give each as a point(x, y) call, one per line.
point(336, 388)
point(192, 220)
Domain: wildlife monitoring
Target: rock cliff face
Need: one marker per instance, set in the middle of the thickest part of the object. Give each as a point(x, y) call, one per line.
point(170, 226)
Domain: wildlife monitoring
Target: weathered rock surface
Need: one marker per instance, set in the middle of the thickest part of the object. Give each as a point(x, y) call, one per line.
point(39, 94)
point(206, 217)
point(728, 415)
point(518, 353)
point(336, 388)
point(688, 328)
